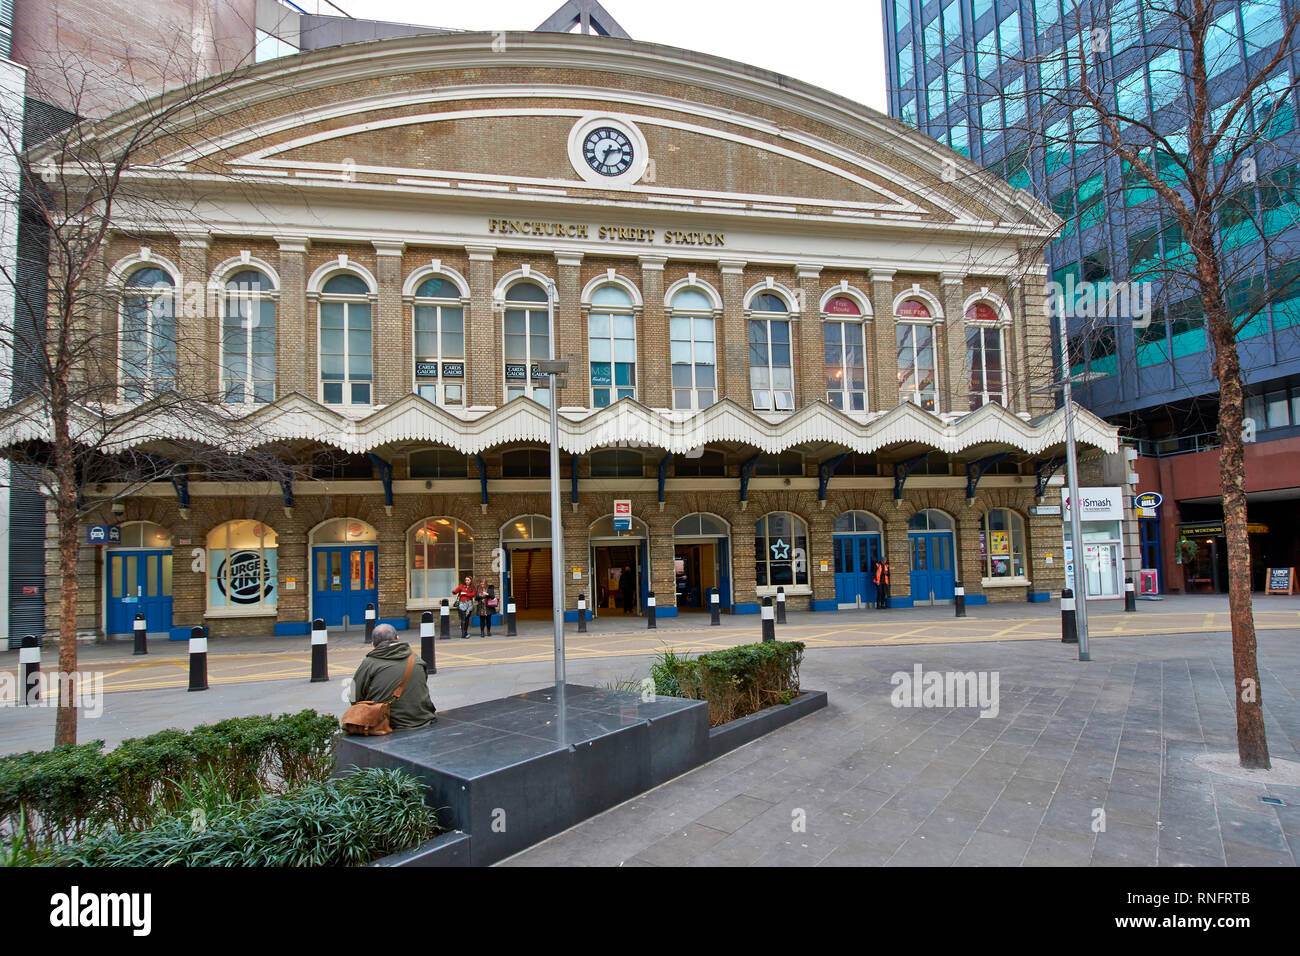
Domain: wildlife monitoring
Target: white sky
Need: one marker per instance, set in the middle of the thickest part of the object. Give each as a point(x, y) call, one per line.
point(835, 44)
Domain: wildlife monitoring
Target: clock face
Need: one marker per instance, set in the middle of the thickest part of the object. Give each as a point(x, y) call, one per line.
point(608, 151)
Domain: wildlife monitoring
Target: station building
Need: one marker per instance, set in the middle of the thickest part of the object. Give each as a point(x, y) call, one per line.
point(797, 341)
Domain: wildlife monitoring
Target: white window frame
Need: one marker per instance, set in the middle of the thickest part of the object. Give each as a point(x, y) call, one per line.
point(611, 312)
point(436, 391)
point(984, 395)
point(1017, 533)
point(150, 384)
point(348, 301)
point(768, 541)
point(431, 600)
point(531, 388)
point(691, 315)
point(915, 397)
point(845, 322)
point(255, 298)
point(262, 608)
point(766, 319)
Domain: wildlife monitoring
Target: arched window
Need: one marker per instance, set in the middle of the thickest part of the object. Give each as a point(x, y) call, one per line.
point(142, 534)
point(148, 334)
point(1002, 544)
point(617, 463)
point(701, 525)
point(916, 376)
point(780, 550)
point(857, 522)
point(985, 357)
point(248, 338)
point(771, 368)
point(439, 342)
point(241, 566)
point(527, 528)
point(611, 345)
point(440, 552)
point(844, 336)
point(527, 341)
point(929, 520)
point(346, 347)
point(694, 352)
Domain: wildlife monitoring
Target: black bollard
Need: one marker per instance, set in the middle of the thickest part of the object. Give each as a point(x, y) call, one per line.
point(715, 607)
point(1069, 628)
point(141, 636)
point(319, 651)
point(1130, 596)
point(510, 619)
point(198, 658)
point(29, 668)
point(370, 622)
point(780, 605)
point(444, 621)
point(769, 622)
point(426, 641)
point(582, 614)
point(650, 612)
point(960, 599)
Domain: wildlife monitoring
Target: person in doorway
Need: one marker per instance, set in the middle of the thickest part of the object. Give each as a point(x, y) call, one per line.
point(875, 579)
point(464, 596)
point(484, 594)
point(381, 673)
point(627, 584)
point(882, 585)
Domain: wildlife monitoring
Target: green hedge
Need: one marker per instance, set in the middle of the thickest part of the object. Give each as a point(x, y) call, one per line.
point(736, 681)
point(347, 822)
point(54, 796)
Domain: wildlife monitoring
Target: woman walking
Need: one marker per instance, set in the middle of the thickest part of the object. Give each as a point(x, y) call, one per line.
point(485, 601)
point(464, 598)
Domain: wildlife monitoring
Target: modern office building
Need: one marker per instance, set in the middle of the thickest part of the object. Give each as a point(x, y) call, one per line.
point(978, 75)
point(794, 344)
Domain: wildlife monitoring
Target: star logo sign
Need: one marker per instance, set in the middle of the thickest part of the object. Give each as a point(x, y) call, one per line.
point(780, 551)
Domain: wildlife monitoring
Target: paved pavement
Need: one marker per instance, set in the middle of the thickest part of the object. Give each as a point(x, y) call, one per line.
point(877, 784)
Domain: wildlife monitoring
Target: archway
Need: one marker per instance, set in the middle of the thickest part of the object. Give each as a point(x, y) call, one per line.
point(344, 564)
point(616, 551)
point(930, 548)
point(702, 560)
point(858, 544)
point(138, 578)
point(526, 578)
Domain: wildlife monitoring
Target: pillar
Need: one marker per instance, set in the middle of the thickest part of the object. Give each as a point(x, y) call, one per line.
point(295, 347)
point(810, 352)
point(882, 381)
point(391, 570)
point(821, 547)
point(198, 334)
point(898, 548)
point(654, 358)
point(483, 347)
point(392, 336)
point(955, 381)
point(291, 562)
point(733, 341)
point(571, 330)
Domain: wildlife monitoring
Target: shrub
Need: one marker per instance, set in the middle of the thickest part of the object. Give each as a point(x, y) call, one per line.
point(63, 794)
point(736, 681)
point(346, 822)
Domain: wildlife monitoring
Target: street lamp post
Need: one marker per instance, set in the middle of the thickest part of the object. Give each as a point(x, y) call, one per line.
point(553, 368)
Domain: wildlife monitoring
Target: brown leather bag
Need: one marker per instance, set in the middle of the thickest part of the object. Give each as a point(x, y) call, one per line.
point(366, 718)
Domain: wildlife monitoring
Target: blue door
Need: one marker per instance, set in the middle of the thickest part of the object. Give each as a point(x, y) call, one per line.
point(855, 556)
point(343, 582)
point(933, 577)
point(138, 582)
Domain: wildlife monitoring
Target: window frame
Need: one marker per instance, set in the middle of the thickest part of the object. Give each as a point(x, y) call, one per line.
point(423, 386)
point(911, 324)
point(532, 387)
point(430, 600)
point(764, 320)
point(798, 579)
point(627, 310)
point(1017, 542)
point(843, 323)
point(349, 301)
point(132, 388)
point(691, 316)
point(984, 327)
point(262, 607)
point(256, 298)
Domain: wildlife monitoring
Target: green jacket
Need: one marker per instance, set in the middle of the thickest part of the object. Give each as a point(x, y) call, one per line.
point(377, 679)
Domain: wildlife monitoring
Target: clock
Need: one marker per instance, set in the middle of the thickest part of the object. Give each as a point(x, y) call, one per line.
point(608, 151)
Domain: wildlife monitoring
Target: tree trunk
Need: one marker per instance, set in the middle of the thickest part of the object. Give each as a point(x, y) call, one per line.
point(65, 727)
point(1252, 746)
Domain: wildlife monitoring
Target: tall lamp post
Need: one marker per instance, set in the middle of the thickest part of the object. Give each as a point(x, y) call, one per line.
point(553, 368)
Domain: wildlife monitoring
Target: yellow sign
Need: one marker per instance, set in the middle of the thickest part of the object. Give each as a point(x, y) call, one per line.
point(1001, 543)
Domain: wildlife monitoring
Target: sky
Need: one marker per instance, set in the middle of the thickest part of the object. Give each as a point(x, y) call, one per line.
point(835, 44)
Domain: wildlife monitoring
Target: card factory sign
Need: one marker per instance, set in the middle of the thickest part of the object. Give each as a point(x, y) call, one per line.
point(571, 230)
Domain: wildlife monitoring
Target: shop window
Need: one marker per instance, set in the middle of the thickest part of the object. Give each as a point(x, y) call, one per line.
point(346, 347)
point(611, 345)
point(1002, 544)
point(440, 554)
point(241, 566)
point(148, 334)
point(527, 341)
point(780, 550)
point(439, 336)
point(693, 350)
point(771, 368)
point(248, 338)
point(437, 463)
point(711, 464)
point(617, 463)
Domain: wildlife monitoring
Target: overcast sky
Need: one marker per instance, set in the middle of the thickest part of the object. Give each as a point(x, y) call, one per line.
point(834, 44)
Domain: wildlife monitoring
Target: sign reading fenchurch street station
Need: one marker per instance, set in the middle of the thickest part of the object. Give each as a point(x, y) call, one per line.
point(570, 230)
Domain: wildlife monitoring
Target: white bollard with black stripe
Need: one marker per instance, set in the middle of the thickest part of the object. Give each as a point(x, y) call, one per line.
point(1069, 626)
point(715, 608)
point(198, 658)
point(426, 641)
point(444, 621)
point(780, 605)
point(1130, 596)
point(139, 628)
point(370, 622)
point(769, 620)
point(29, 669)
point(650, 611)
point(319, 651)
point(959, 599)
point(582, 614)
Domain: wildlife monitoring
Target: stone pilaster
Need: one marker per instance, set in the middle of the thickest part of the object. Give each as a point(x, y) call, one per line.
point(571, 330)
point(654, 360)
point(391, 570)
point(733, 346)
point(198, 334)
point(295, 347)
point(743, 587)
point(821, 547)
point(955, 376)
point(291, 561)
point(882, 381)
point(1045, 538)
point(898, 549)
point(393, 330)
point(810, 351)
point(483, 355)
point(966, 545)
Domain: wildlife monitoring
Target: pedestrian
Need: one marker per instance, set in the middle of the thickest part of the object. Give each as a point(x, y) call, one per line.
point(484, 593)
point(464, 597)
point(383, 671)
point(882, 592)
point(627, 584)
point(875, 579)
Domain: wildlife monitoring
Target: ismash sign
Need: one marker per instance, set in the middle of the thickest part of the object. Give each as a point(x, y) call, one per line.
point(1096, 504)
